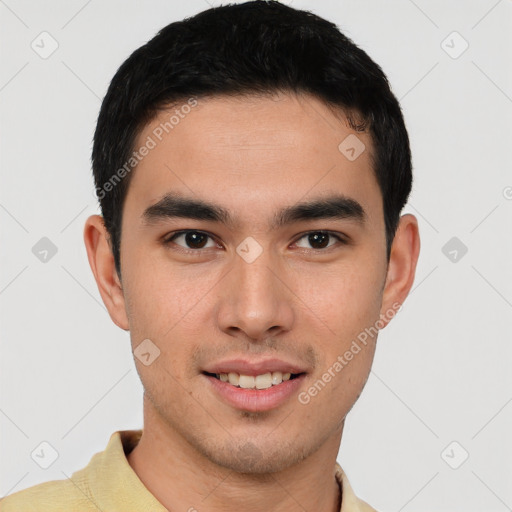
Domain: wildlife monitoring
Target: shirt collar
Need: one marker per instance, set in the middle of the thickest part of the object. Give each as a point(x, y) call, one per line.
point(110, 480)
point(349, 501)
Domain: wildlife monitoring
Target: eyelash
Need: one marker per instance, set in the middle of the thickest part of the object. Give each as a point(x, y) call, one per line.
point(168, 239)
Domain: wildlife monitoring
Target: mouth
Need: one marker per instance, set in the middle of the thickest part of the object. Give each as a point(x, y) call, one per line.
point(263, 381)
point(255, 393)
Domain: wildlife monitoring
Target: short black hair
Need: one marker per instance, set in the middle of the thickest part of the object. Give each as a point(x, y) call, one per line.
point(257, 47)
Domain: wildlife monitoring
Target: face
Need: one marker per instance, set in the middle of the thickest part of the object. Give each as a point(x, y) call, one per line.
point(241, 287)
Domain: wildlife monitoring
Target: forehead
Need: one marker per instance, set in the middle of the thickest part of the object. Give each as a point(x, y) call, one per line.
point(252, 151)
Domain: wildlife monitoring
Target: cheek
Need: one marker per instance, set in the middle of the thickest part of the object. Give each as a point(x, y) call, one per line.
point(347, 297)
point(347, 300)
point(162, 306)
point(158, 294)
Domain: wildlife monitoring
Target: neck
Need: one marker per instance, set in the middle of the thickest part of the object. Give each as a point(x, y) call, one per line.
point(181, 478)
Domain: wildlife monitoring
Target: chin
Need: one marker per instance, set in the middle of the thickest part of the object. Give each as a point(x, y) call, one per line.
point(250, 457)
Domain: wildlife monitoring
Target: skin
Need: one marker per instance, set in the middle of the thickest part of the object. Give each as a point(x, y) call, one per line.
point(252, 155)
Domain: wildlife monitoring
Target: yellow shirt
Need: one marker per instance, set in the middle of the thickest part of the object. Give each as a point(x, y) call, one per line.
point(108, 484)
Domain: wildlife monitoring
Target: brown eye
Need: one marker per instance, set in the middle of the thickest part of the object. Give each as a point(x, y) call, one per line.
point(319, 240)
point(191, 239)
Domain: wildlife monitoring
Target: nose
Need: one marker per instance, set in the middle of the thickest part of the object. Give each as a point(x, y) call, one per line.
point(254, 302)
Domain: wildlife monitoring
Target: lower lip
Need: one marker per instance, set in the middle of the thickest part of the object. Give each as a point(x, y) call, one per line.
point(256, 400)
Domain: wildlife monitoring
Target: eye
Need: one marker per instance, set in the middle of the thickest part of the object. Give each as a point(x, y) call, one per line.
point(193, 240)
point(319, 240)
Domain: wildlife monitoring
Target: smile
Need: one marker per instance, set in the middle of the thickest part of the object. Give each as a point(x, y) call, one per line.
point(255, 393)
point(263, 381)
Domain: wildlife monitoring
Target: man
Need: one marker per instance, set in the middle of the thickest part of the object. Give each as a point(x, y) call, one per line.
point(251, 165)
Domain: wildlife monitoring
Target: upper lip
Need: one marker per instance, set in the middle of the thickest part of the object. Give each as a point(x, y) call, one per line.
point(253, 368)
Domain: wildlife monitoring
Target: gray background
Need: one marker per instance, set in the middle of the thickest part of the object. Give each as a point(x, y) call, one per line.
point(442, 367)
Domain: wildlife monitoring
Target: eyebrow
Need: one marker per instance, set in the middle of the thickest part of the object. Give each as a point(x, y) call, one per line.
point(173, 205)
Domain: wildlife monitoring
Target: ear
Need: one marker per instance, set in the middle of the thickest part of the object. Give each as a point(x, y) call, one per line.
point(404, 254)
point(101, 260)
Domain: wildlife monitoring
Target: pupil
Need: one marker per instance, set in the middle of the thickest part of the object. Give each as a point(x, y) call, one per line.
point(196, 240)
point(315, 237)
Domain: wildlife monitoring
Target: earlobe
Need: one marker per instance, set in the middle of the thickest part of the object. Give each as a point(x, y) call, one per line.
point(102, 265)
point(402, 266)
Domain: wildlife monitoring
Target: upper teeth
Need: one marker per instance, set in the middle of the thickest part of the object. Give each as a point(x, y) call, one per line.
point(263, 381)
